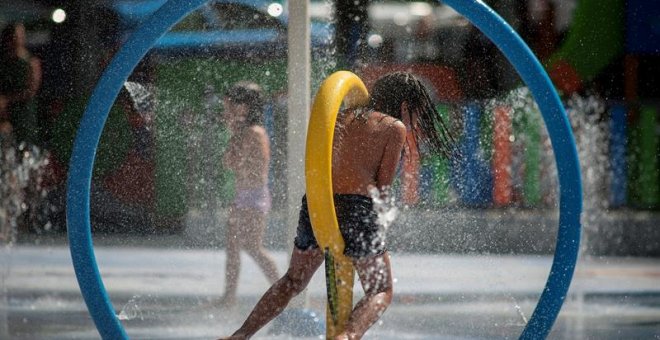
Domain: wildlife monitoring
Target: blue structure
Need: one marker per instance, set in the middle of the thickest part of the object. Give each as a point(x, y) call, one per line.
point(642, 27)
point(127, 58)
point(472, 174)
point(618, 159)
point(84, 152)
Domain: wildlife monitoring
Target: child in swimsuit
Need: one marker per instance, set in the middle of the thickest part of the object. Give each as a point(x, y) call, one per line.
point(368, 144)
point(248, 157)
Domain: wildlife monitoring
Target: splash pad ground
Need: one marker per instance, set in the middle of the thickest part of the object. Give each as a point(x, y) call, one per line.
point(529, 68)
point(161, 290)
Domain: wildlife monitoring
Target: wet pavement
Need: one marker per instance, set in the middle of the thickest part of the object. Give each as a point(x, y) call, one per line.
point(166, 293)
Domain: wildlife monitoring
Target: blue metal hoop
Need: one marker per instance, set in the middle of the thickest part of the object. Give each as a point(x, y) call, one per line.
point(563, 144)
point(139, 43)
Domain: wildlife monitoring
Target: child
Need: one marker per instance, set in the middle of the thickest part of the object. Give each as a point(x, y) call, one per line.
point(367, 148)
point(248, 156)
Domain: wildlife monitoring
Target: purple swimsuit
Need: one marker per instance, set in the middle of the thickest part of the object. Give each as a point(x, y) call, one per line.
point(253, 198)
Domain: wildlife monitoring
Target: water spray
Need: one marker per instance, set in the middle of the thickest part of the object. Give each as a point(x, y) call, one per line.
point(482, 16)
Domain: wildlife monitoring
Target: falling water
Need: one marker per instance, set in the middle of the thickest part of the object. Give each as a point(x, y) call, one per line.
point(516, 305)
point(530, 146)
point(385, 207)
point(21, 197)
point(586, 115)
point(142, 99)
point(527, 116)
point(131, 310)
point(590, 130)
point(21, 174)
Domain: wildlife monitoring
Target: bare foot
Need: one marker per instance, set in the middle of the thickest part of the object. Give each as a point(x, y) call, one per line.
point(219, 302)
point(234, 337)
point(228, 301)
point(346, 336)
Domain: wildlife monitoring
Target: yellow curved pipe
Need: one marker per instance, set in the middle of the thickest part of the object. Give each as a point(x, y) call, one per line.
point(346, 87)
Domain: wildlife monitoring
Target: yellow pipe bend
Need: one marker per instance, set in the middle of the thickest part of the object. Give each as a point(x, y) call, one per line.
point(340, 87)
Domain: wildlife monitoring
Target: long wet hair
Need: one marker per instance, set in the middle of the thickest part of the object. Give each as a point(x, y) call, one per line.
point(250, 94)
point(392, 90)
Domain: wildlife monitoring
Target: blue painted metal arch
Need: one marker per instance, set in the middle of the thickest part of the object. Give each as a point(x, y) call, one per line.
point(84, 152)
point(563, 143)
point(127, 58)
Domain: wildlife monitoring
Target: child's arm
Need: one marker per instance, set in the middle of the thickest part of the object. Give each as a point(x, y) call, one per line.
point(395, 136)
point(232, 154)
point(255, 154)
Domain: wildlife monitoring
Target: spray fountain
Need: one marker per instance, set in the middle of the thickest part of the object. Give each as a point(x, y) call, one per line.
point(136, 310)
point(483, 17)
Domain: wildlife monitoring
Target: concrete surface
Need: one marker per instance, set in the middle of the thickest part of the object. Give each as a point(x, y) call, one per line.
point(164, 293)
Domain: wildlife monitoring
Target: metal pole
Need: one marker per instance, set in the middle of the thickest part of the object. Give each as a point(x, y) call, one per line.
point(352, 25)
point(298, 104)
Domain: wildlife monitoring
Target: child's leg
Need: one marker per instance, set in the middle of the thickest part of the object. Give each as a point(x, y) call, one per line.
point(233, 265)
point(302, 267)
point(252, 242)
point(376, 277)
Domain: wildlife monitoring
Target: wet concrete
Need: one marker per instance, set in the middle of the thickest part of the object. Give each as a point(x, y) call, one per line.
point(432, 229)
point(166, 293)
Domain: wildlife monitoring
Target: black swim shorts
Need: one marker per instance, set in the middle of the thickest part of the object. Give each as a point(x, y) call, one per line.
point(363, 236)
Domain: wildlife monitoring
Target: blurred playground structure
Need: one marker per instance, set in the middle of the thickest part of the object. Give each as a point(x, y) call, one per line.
point(158, 155)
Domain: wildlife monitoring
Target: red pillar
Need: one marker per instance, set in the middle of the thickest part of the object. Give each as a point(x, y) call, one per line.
point(502, 193)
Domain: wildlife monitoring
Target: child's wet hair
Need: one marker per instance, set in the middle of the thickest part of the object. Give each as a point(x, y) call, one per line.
point(250, 94)
point(392, 90)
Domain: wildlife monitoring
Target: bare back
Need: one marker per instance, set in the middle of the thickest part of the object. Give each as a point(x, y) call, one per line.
point(248, 157)
point(366, 151)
